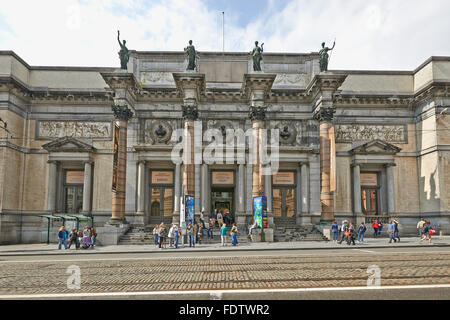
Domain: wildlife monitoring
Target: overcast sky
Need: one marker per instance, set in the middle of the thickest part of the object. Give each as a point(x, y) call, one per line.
point(370, 34)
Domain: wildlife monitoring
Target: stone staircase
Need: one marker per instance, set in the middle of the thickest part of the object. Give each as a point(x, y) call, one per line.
point(287, 231)
point(144, 236)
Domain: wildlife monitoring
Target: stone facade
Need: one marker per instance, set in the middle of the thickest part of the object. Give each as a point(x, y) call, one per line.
point(388, 154)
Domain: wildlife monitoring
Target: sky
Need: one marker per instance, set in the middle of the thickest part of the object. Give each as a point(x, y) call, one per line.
point(370, 34)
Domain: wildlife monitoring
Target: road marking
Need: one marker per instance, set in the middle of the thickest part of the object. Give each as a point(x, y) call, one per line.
point(216, 293)
point(366, 251)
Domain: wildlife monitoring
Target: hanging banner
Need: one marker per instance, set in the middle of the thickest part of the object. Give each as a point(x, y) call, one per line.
point(189, 208)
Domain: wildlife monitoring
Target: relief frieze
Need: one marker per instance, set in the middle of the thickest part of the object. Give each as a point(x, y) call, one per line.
point(78, 129)
point(388, 133)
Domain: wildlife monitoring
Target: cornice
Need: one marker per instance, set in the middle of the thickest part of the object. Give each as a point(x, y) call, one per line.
point(257, 81)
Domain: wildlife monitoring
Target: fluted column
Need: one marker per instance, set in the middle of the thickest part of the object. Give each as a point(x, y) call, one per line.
point(51, 191)
point(390, 188)
point(176, 211)
point(141, 188)
point(204, 187)
point(87, 187)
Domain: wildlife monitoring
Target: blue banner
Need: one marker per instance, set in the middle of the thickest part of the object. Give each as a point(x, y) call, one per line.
point(189, 209)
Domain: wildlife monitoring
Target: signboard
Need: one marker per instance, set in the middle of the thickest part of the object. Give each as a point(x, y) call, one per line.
point(283, 178)
point(223, 177)
point(260, 211)
point(189, 208)
point(369, 179)
point(115, 157)
point(75, 177)
point(162, 177)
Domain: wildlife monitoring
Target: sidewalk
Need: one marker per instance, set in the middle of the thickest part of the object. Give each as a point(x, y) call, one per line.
point(52, 249)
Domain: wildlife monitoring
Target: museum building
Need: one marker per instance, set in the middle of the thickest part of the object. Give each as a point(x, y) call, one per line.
point(354, 145)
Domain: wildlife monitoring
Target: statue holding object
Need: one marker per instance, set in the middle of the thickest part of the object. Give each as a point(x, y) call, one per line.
point(124, 53)
point(324, 57)
point(191, 53)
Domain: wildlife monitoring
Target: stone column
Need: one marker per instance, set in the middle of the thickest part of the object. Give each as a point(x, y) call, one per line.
point(87, 187)
point(141, 189)
point(326, 192)
point(51, 191)
point(305, 219)
point(197, 204)
point(357, 209)
point(241, 190)
point(268, 194)
point(177, 196)
point(204, 187)
point(390, 188)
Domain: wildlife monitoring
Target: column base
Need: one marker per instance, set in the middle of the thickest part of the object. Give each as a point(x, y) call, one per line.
point(262, 235)
point(139, 219)
point(176, 218)
point(303, 221)
point(359, 219)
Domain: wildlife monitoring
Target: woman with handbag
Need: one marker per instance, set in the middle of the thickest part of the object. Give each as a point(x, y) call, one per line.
point(234, 232)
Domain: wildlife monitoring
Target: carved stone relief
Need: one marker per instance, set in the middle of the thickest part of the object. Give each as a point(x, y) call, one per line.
point(159, 131)
point(388, 133)
point(78, 129)
point(286, 79)
point(297, 133)
point(157, 78)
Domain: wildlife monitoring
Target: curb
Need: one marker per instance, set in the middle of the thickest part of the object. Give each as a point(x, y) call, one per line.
point(79, 252)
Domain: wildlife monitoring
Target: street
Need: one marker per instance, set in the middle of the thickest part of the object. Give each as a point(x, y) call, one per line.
point(408, 273)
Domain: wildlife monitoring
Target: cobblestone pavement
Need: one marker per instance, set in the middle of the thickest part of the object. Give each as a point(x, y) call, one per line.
point(167, 274)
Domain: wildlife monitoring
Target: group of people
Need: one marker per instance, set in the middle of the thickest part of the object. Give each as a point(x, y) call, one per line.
point(195, 231)
point(349, 233)
point(82, 238)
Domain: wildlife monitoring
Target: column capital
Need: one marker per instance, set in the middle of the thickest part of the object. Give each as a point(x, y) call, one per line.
point(353, 165)
point(52, 162)
point(190, 112)
point(141, 162)
point(325, 114)
point(257, 113)
point(121, 112)
point(303, 163)
point(88, 162)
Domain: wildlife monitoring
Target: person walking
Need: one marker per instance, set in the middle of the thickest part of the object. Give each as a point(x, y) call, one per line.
point(162, 233)
point(156, 234)
point(214, 216)
point(427, 231)
point(334, 231)
point(344, 228)
point(391, 231)
point(202, 219)
point(171, 236)
point(93, 236)
point(396, 232)
point(375, 227)
point(220, 218)
point(176, 235)
point(74, 239)
point(361, 231)
point(223, 235)
point(420, 226)
point(234, 232)
point(351, 234)
point(62, 237)
point(250, 230)
point(199, 234)
point(191, 235)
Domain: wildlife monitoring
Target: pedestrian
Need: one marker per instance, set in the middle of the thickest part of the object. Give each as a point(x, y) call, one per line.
point(223, 235)
point(420, 226)
point(211, 229)
point(191, 234)
point(334, 231)
point(391, 231)
point(375, 227)
point(396, 232)
point(155, 234)
point(176, 234)
point(93, 236)
point(171, 236)
point(361, 231)
point(214, 215)
point(86, 238)
point(380, 226)
point(74, 239)
point(62, 237)
point(234, 232)
point(162, 233)
point(225, 217)
point(344, 228)
point(427, 231)
point(351, 234)
point(220, 218)
point(199, 233)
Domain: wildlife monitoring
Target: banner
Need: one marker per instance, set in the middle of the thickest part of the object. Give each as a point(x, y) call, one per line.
point(259, 210)
point(189, 208)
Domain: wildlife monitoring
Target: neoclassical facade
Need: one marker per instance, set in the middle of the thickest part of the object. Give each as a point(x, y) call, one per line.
point(355, 145)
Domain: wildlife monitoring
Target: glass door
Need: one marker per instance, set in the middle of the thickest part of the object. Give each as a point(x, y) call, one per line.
point(369, 201)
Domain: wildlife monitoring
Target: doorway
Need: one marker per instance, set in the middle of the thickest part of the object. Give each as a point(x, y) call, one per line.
point(222, 199)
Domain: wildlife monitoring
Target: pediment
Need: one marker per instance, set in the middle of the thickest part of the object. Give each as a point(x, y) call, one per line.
point(375, 147)
point(68, 144)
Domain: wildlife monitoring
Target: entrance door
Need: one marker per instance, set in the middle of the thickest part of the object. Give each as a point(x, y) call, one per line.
point(73, 191)
point(369, 200)
point(161, 205)
point(223, 200)
point(283, 202)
